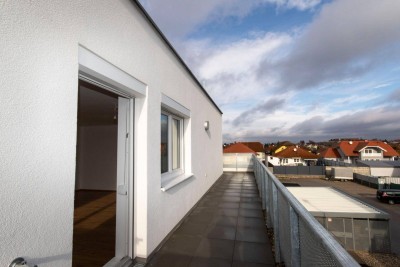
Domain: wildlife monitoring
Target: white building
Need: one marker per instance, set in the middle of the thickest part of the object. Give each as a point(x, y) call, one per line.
point(353, 151)
point(133, 88)
point(292, 156)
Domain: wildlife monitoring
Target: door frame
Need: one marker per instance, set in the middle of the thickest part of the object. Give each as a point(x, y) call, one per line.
point(96, 70)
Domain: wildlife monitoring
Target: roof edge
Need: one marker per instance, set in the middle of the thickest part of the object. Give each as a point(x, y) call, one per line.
point(154, 25)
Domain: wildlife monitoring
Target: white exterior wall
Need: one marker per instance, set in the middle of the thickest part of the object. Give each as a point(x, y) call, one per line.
point(273, 160)
point(333, 159)
point(291, 162)
point(38, 102)
point(385, 172)
point(261, 156)
point(376, 155)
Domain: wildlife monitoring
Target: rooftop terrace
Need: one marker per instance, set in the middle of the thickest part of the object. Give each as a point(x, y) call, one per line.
point(226, 228)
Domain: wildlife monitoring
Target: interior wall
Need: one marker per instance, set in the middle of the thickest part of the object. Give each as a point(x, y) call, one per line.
point(97, 157)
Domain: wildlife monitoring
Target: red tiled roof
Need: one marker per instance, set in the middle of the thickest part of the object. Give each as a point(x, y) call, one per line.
point(295, 152)
point(330, 153)
point(238, 148)
point(347, 147)
point(256, 146)
point(352, 148)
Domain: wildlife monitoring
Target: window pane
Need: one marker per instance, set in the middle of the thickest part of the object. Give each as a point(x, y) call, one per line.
point(164, 143)
point(176, 144)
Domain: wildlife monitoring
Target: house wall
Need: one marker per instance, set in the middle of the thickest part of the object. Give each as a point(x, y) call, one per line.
point(273, 160)
point(38, 102)
point(291, 162)
point(261, 155)
point(377, 154)
point(382, 172)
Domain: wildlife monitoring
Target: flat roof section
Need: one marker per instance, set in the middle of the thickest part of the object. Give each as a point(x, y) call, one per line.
point(382, 163)
point(329, 202)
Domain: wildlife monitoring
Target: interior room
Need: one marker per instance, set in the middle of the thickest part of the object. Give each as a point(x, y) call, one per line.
point(96, 172)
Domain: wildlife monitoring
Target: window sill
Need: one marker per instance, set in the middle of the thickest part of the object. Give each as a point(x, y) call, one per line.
point(166, 185)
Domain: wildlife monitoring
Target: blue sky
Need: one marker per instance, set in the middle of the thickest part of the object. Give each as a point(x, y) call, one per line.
point(292, 69)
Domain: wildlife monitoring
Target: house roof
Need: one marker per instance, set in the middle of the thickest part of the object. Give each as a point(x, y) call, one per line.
point(381, 164)
point(352, 148)
point(286, 143)
point(330, 153)
point(256, 146)
point(169, 45)
point(238, 148)
point(295, 152)
point(329, 201)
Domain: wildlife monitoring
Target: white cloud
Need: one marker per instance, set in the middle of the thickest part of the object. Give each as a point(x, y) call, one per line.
point(193, 14)
point(367, 123)
point(347, 100)
point(297, 4)
point(228, 71)
point(348, 39)
point(242, 56)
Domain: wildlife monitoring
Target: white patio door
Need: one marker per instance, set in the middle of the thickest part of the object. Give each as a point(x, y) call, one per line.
point(122, 216)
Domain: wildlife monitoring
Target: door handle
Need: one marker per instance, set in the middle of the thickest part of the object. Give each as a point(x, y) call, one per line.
point(122, 190)
point(19, 262)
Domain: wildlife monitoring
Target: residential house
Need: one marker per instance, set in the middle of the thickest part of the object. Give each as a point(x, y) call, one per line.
point(330, 154)
point(100, 118)
point(293, 156)
point(236, 157)
point(258, 148)
point(273, 161)
point(280, 146)
point(238, 148)
point(352, 151)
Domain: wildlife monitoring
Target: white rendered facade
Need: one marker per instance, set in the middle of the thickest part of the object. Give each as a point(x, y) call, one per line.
point(43, 49)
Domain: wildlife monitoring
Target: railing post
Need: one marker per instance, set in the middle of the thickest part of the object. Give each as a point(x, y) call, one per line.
point(236, 156)
point(266, 201)
point(294, 238)
point(276, 224)
point(262, 176)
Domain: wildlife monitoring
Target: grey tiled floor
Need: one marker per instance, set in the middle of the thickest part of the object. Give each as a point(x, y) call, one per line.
point(226, 228)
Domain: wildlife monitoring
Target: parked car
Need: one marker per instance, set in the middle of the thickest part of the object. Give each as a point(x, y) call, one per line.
point(390, 196)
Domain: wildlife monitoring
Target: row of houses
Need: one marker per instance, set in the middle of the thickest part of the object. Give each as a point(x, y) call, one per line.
point(353, 151)
point(293, 155)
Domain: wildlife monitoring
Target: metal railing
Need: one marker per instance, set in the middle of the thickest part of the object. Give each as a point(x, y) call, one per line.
point(299, 239)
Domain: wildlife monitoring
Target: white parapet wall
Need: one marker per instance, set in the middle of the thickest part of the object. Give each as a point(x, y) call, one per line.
point(238, 162)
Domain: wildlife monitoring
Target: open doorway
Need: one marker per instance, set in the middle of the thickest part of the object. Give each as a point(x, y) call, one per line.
point(100, 214)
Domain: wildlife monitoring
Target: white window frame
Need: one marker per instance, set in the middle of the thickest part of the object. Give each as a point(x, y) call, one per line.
point(170, 173)
point(178, 111)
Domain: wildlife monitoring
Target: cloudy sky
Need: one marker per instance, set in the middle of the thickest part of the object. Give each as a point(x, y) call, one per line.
point(292, 69)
